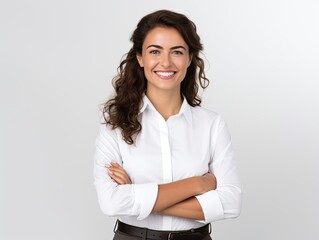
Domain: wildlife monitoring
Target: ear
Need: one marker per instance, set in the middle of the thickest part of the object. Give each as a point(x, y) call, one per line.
point(139, 59)
point(190, 60)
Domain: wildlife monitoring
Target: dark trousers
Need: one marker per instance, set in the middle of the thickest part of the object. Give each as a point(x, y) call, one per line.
point(122, 236)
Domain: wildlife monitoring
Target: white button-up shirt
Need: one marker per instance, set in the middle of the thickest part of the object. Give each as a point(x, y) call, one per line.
point(191, 143)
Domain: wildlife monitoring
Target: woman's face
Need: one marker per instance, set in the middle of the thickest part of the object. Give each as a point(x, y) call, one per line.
point(165, 59)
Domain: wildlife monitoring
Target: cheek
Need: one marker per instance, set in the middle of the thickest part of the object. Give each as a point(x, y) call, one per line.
point(183, 65)
point(150, 63)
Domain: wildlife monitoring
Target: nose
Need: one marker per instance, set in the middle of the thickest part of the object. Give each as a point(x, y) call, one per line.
point(166, 60)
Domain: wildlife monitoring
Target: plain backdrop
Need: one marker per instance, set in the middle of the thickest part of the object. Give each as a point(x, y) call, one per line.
point(56, 64)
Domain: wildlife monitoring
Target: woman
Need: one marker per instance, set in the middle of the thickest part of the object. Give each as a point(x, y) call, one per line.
point(164, 165)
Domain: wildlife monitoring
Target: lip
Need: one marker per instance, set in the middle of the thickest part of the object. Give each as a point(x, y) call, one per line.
point(167, 74)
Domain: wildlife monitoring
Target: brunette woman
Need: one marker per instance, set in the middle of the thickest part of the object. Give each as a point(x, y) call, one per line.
point(164, 165)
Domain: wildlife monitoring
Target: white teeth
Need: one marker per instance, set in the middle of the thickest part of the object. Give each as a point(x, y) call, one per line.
point(165, 74)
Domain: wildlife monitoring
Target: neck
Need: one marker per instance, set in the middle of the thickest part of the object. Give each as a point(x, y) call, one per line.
point(166, 103)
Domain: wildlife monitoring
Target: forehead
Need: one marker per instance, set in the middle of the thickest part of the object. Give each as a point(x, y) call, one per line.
point(165, 37)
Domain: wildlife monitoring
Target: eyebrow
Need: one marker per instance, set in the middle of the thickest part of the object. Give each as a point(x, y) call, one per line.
point(160, 47)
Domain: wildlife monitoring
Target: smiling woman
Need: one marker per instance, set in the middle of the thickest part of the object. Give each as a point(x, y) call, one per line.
point(164, 165)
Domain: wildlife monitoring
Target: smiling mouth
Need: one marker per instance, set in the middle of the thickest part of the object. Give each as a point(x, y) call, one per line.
point(166, 74)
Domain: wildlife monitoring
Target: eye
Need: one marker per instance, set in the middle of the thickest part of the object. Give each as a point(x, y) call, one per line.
point(176, 52)
point(154, 52)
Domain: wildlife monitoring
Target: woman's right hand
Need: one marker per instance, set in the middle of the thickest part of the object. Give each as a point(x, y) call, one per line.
point(118, 174)
point(207, 182)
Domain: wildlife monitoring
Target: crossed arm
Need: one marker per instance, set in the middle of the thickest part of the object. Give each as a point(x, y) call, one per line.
point(176, 198)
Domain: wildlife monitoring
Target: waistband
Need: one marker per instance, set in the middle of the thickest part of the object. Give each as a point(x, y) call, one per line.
point(146, 233)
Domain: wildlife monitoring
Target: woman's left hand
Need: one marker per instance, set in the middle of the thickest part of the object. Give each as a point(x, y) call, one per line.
point(118, 174)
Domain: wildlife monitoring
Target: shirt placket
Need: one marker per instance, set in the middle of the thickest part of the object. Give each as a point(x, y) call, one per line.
point(166, 162)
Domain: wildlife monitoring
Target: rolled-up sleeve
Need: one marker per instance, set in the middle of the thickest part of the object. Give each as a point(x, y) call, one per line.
point(225, 201)
point(119, 200)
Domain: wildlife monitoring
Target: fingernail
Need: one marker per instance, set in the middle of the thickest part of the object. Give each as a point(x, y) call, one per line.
point(110, 172)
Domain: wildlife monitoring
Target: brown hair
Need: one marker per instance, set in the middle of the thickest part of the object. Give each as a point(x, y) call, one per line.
point(130, 83)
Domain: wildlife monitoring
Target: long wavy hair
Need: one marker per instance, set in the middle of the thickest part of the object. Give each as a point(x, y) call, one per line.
point(130, 83)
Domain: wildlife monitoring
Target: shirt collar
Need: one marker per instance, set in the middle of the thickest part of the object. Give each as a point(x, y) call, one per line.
point(185, 108)
point(186, 111)
point(145, 102)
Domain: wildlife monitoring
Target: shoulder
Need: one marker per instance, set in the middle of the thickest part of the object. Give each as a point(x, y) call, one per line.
point(205, 115)
point(107, 133)
point(210, 121)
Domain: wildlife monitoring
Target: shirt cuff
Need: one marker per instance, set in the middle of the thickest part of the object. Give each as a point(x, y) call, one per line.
point(211, 206)
point(145, 197)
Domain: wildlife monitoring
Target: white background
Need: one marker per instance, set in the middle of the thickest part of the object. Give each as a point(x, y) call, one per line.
point(56, 64)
